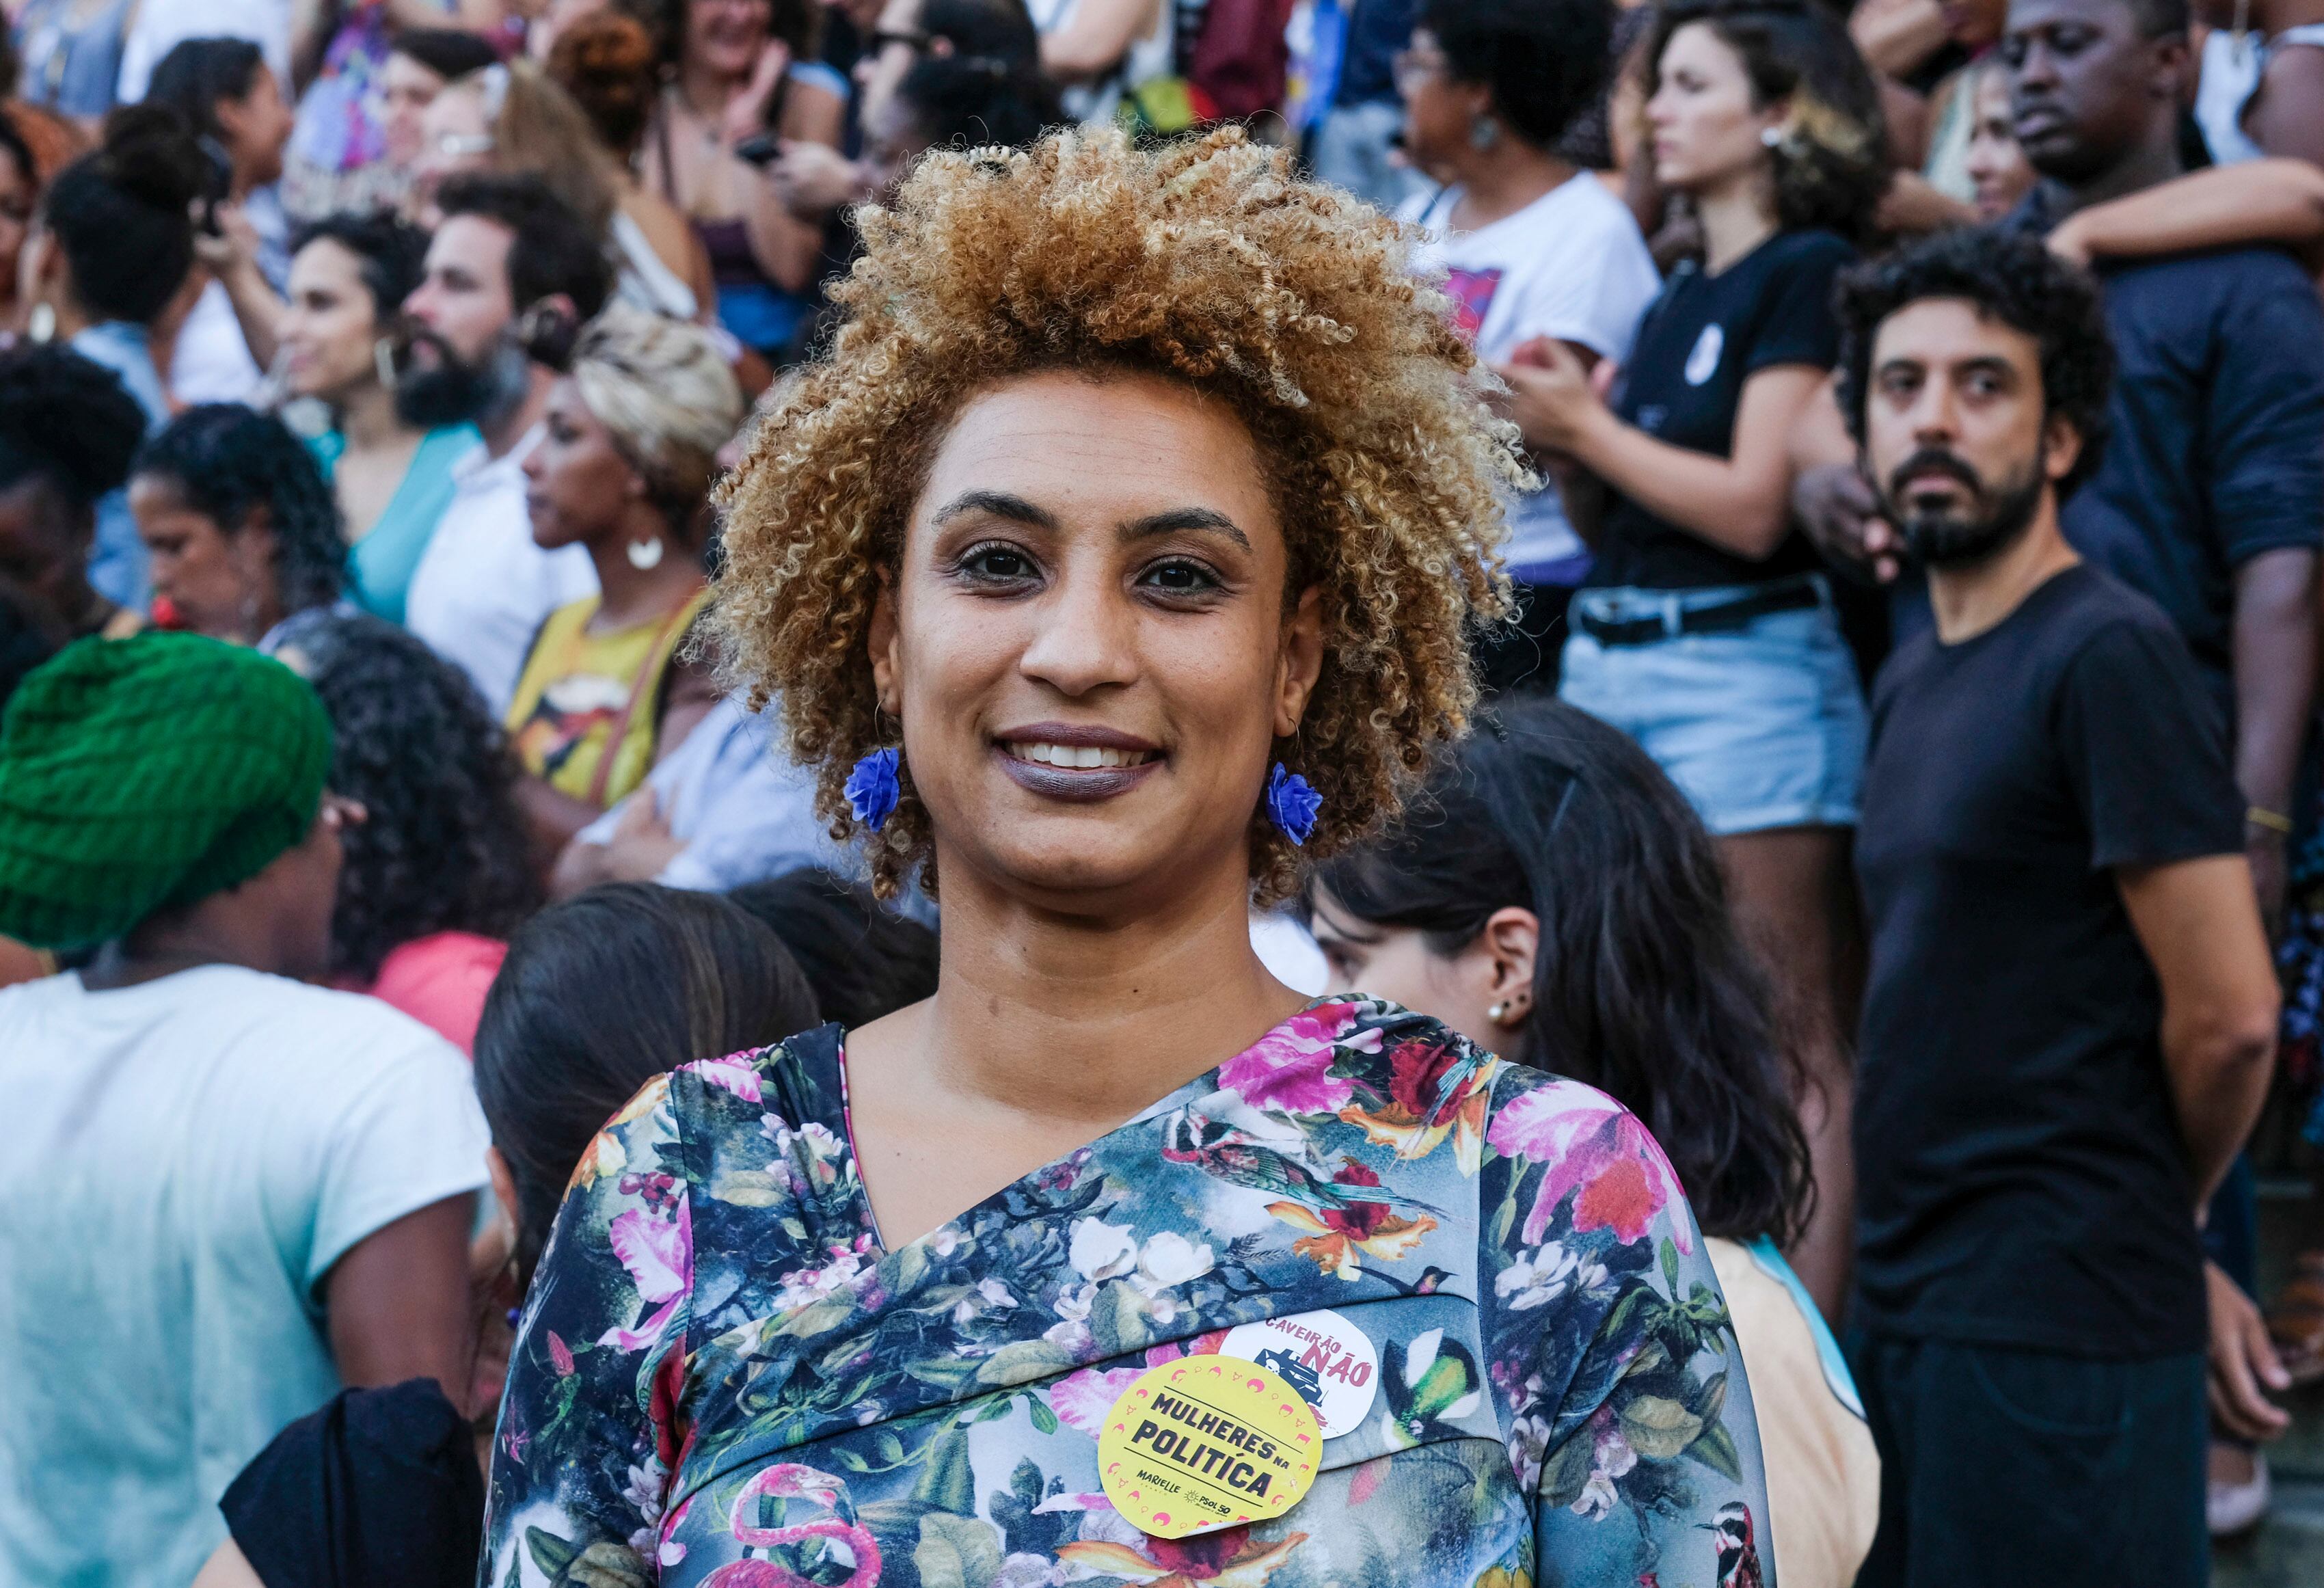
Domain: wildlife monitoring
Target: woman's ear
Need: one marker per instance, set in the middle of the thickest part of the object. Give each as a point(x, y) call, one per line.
point(256, 547)
point(1512, 937)
point(504, 1186)
point(1299, 661)
point(884, 642)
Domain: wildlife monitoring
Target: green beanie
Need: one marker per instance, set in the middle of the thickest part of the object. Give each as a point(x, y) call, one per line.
point(146, 773)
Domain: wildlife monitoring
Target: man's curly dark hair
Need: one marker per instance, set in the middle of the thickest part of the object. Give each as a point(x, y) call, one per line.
point(1544, 59)
point(2009, 275)
point(444, 848)
point(227, 460)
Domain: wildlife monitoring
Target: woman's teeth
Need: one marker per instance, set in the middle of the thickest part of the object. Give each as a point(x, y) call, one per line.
point(1079, 755)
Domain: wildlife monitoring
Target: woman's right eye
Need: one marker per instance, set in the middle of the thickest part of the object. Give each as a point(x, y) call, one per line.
point(1003, 565)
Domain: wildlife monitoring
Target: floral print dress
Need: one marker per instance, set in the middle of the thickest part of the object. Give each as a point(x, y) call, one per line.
point(723, 1378)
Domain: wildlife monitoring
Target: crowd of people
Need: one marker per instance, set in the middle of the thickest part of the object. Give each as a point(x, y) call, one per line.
point(751, 747)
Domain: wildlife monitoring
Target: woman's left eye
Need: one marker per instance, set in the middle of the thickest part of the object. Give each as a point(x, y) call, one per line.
point(1179, 578)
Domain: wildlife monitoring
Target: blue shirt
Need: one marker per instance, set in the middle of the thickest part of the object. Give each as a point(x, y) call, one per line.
point(2217, 449)
point(1377, 30)
point(116, 562)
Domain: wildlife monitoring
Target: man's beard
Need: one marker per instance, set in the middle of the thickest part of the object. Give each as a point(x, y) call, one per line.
point(1955, 537)
point(452, 391)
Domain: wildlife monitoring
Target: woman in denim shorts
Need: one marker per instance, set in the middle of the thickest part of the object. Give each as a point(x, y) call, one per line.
point(1705, 629)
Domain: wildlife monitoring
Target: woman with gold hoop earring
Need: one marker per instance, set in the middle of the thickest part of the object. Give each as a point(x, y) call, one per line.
point(339, 343)
point(623, 467)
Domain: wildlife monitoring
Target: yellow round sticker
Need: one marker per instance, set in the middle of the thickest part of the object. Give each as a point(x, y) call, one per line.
point(1206, 1441)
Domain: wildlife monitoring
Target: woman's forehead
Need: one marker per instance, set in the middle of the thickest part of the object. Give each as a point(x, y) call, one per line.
point(1108, 449)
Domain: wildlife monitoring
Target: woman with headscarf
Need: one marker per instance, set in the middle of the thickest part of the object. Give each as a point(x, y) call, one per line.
point(1118, 560)
point(209, 1231)
point(623, 468)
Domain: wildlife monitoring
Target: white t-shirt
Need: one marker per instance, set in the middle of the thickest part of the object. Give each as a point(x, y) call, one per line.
point(1570, 266)
point(188, 1159)
point(483, 589)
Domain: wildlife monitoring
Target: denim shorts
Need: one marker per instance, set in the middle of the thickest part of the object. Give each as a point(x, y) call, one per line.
point(1760, 727)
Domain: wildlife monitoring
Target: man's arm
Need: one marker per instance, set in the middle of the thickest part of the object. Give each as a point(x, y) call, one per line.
point(2275, 655)
point(2199, 925)
point(398, 1302)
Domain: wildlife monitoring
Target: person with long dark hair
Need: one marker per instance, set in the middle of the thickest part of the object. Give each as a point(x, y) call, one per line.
point(737, 70)
point(435, 876)
point(243, 533)
point(1553, 898)
point(1706, 629)
point(223, 89)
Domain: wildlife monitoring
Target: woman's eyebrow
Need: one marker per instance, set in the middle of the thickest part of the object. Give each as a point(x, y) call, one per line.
point(1180, 519)
point(998, 504)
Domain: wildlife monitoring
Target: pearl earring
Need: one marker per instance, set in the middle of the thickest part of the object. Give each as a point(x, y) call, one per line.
point(645, 554)
point(382, 360)
point(1498, 1013)
point(1771, 137)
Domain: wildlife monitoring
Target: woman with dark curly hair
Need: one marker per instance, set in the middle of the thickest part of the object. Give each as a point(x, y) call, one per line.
point(1705, 629)
point(1118, 559)
point(435, 877)
point(242, 533)
point(1554, 898)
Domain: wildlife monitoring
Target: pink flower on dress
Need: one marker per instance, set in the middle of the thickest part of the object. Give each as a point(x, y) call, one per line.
point(1082, 1400)
point(659, 1255)
point(1290, 1068)
point(1588, 1142)
point(735, 1073)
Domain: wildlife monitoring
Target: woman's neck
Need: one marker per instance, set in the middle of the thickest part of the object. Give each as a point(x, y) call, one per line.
point(368, 419)
point(1089, 1019)
point(1736, 217)
point(706, 92)
point(627, 594)
point(1505, 179)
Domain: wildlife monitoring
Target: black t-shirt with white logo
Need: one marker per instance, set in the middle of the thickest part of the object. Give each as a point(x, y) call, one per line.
point(1701, 339)
point(2021, 1178)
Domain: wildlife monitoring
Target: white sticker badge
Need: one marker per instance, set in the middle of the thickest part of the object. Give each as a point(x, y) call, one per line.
point(1703, 361)
point(1327, 1359)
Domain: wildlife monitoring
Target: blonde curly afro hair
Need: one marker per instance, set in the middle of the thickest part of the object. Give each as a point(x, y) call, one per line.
point(1203, 261)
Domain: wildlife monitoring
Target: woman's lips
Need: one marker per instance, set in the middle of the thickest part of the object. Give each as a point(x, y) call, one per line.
point(1075, 762)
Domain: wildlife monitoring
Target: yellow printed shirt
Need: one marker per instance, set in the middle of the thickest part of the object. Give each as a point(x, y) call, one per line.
point(585, 696)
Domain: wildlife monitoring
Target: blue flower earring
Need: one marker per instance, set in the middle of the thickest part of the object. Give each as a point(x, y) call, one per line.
point(872, 788)
point(1292, 803)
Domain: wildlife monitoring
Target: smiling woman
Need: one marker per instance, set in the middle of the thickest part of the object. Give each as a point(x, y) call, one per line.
point(1136, 486)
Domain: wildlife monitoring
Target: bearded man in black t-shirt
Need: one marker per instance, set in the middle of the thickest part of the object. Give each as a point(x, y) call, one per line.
point(2070, 1014)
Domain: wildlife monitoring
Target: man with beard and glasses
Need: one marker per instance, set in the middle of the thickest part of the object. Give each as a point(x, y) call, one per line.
point(512, 275)
point(2071, 1016)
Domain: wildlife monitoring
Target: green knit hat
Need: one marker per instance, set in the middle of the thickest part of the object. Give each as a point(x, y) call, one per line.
point(146, 773)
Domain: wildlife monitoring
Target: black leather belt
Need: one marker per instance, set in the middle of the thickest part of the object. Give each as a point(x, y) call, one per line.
point(1793, 595)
